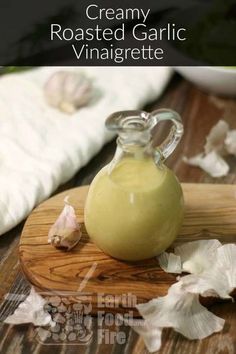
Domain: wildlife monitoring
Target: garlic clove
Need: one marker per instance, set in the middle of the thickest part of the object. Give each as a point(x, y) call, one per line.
point(170, 262)
point(211, 163)
point(68, 90)
point(216, 138)
point(31, 311)
point(197, 256)
point(182, 311)
point(65, 232)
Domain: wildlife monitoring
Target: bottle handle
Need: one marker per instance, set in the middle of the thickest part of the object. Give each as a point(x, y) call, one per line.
point(165, 149)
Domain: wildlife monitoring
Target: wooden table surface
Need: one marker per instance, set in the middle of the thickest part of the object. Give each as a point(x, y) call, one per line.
point(200, 112)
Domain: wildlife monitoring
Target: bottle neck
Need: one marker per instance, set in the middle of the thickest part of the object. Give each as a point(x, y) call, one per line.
point(132, 150)
point(136, 149)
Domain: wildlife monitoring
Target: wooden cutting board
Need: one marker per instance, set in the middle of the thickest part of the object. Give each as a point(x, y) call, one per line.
point(86, 274)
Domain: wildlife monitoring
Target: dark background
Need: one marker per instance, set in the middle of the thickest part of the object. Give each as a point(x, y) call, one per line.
point(25, 31)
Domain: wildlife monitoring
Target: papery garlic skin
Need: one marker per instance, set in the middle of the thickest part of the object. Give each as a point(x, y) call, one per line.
point(211, 264)
point(197, 256)
point(192, 257)
point(180, 310)
point(219, 142)
point(150, 334)
point(31, 310)
point(211, 163)
point(226, 262)
point(170, 262)
point(213, 268)
point(230, 142)
point(209, 283)
point(216, 138)
point(65, 232)
point(68, 90)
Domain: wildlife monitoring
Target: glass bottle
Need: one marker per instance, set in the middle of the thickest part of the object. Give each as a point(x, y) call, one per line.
point(134, 207)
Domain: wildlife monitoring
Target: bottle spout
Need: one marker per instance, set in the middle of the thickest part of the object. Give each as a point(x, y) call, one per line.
point(128, 121)
point(133, 127)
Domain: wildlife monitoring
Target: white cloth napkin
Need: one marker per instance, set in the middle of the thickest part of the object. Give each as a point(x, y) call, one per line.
point(41, 148)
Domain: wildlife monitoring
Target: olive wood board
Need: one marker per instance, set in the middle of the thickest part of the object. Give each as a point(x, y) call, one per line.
point(85, 271)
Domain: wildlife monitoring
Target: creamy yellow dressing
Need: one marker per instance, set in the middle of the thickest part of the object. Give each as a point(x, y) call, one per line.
point(135, 211)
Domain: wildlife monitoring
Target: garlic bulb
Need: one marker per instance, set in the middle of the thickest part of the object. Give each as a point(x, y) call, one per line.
point(68, 91)
point(65, 232)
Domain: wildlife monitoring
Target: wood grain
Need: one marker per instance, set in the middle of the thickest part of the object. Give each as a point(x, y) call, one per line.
point(209, 213)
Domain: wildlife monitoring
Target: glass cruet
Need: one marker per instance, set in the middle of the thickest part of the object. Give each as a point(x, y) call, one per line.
point(134, 208)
